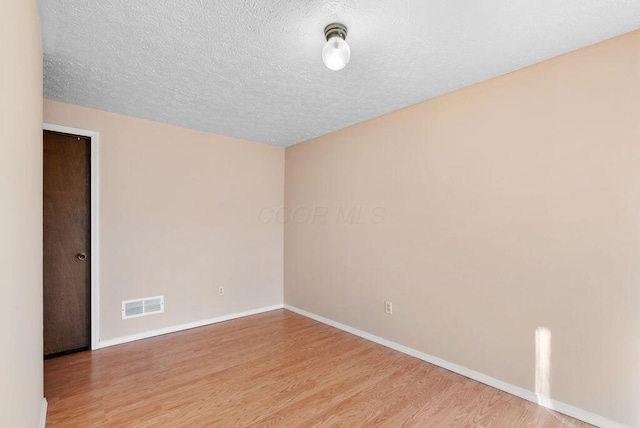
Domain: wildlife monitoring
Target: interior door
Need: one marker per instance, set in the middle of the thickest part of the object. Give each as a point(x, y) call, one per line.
point(67, 242)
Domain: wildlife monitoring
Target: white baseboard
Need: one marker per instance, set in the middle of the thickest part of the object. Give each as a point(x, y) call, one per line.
point(173, 329)
point(43, 413)
point(558, 406)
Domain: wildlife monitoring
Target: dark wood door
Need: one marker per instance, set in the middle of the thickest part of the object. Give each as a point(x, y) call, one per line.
point(67, 243)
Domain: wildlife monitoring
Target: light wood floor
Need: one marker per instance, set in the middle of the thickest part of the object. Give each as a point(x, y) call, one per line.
point(275, 369)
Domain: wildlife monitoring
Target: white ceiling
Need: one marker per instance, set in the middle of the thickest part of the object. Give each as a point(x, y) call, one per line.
point(253, 69)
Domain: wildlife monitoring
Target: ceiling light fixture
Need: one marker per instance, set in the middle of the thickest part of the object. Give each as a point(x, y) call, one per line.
point(336, 52)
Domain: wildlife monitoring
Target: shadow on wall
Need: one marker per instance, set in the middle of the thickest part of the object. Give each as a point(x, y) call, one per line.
point(341, 215)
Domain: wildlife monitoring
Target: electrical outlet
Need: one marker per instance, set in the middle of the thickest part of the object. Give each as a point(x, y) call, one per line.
point(388, 307)
point(220, 291)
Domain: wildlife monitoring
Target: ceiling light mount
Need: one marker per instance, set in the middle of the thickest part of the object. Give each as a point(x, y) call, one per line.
point(335, 30)
point(336, 52)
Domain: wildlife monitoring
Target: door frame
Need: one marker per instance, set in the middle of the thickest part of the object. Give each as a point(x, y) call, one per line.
point(95, 221)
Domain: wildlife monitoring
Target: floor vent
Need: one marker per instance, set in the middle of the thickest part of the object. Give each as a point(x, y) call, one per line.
point(141, 307)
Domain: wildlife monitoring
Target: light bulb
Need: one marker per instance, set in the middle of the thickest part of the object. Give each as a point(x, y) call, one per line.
point(336, 52)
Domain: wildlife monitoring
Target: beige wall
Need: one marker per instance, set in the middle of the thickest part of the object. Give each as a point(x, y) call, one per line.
point(179, 216)
point(485, 214)
point(20, 214)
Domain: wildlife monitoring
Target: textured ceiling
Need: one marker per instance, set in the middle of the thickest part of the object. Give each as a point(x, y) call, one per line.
point(253, 69)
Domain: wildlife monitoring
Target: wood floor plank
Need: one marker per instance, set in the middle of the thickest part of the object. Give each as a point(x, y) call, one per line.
point(276, 369)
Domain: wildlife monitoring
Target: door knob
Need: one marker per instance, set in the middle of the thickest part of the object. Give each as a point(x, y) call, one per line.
point(81, 256)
